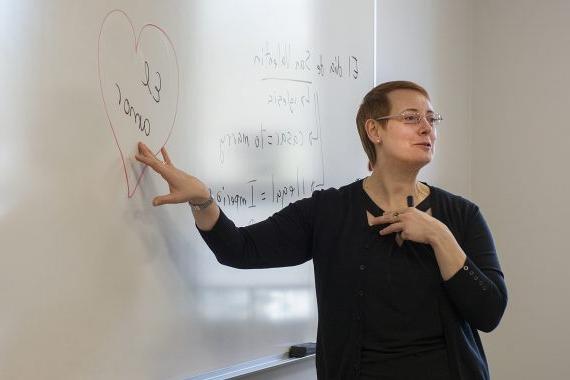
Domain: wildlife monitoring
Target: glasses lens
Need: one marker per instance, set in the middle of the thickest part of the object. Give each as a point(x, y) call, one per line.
point(434, 119)
point(411, 117)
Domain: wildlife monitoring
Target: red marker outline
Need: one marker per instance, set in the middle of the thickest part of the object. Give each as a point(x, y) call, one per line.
point(137, 41)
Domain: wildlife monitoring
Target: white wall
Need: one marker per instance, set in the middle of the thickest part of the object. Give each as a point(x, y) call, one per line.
point(498, 72)
point(429, 42)
point(521, 136)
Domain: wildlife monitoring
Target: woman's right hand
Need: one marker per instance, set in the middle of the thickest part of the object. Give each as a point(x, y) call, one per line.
point(183, 187)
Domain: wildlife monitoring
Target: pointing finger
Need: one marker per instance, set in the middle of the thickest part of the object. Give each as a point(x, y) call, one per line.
point(146, 151)
point(143, 149)
point(156, 165)
point(147, 157)
point(165, 156)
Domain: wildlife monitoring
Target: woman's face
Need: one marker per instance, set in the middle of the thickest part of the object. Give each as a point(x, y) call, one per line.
point(409, 143)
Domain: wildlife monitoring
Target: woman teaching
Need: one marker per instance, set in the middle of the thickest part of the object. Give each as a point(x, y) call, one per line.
point(406, 273)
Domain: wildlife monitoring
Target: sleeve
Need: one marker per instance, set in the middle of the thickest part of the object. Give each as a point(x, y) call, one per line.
point(478, 290)
point(283, 239)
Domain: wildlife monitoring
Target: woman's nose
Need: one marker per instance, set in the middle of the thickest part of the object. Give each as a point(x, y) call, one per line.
point(425, 126)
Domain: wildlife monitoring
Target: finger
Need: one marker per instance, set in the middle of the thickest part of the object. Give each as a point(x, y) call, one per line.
point(388, 217)
point(139, 157)
point(394, 227)
point(403, 210)
point(147, 157)
point(144, 150)
point(147, 152)
point(150, 161)
point(144, 159)
point(399, 239)
point(383, 219)
point(166, 199)
point(165, 156)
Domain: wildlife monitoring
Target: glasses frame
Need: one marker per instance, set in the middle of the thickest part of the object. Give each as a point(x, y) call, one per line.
point(401, 116)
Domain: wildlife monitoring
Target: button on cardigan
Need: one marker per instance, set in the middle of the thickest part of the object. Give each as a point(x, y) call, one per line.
point(331, 228)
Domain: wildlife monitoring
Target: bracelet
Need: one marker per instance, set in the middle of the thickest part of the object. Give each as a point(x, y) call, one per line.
point(201, 206)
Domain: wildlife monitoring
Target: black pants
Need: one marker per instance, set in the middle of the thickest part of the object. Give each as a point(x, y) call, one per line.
point(431, 365)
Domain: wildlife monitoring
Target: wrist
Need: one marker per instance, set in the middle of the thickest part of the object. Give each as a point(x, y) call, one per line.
point(440, 235)
point(203, 195)
point(198, 204)
point(198, 200)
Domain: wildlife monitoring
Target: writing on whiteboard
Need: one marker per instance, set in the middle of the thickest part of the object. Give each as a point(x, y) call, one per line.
point(154, 88)
point(282, 151)
point(264, 139)
point(139, 80)
point(129, 111)
point(256, 193)
point(290, 100)
point(280, 57)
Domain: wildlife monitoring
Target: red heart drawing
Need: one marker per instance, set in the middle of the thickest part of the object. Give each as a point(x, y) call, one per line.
point(139, 80)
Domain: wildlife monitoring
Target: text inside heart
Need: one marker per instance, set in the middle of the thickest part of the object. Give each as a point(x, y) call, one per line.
point(139, 79)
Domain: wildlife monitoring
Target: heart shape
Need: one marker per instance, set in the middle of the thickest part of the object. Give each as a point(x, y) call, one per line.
point(139, 80)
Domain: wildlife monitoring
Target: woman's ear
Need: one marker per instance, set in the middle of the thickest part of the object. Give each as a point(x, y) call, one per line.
point(373, 131)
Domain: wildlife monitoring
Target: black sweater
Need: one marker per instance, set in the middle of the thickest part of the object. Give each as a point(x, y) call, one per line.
point(399, 307)
point(331, 229)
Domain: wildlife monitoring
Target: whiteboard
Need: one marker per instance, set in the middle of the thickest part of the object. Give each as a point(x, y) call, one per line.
point(256, 98)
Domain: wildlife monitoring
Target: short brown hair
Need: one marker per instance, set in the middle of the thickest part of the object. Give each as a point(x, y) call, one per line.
point(377, 104)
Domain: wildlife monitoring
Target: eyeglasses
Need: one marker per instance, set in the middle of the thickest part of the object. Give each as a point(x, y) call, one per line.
point(410, 117)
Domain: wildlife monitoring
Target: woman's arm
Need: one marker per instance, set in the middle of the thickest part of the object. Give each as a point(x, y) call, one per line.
point(471, 271)
point(448, 253)
point(477, 288)
point(283, 239)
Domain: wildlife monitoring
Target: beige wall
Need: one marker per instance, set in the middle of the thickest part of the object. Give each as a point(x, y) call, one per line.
point(521, 138)
point(429, 41)
point(499, 73)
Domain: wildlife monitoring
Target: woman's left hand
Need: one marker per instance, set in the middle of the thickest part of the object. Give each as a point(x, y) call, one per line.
point(411, 224)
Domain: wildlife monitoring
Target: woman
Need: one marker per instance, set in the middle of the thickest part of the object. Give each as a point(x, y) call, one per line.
point(405, 273)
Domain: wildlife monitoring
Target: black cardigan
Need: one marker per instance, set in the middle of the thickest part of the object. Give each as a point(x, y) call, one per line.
point(331, 228)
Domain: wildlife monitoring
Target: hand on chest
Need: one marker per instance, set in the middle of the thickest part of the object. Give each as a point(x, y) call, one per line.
point(400, 227)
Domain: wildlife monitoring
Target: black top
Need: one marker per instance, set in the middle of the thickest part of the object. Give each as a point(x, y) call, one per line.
point(400, 308)
point(331, 228)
